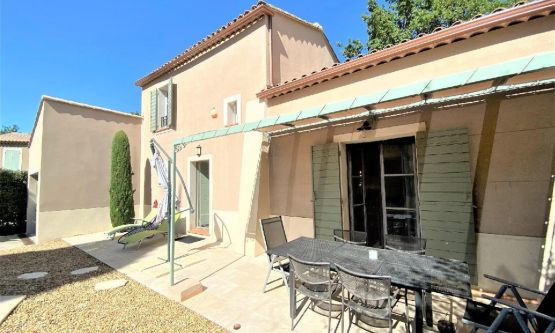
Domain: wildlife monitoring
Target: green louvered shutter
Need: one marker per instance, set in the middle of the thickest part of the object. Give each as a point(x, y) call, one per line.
point(445, 186)
point(12, 159)
point(170, 103)
point(153, 109)
point(326, 190)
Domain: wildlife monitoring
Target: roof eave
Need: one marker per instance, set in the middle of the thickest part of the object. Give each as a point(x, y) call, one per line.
point(206, 43)
point(257, 11)
point(444, 36)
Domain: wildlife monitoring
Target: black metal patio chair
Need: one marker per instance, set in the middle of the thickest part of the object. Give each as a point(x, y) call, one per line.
point(273, 234)
point(407, 244)
point(367, 295)
point(350, 236)
point(316, 283)
point(511, 317)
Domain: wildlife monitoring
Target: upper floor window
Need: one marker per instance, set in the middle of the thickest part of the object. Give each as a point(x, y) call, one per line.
point(11, 159)
point(232, 110)
point(161, 107)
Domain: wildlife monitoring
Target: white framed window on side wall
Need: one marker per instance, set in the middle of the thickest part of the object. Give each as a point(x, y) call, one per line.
point(11, 159)
point(232, 110)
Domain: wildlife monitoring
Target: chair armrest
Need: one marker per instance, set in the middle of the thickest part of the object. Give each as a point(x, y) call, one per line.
point(395, 294)
point(519, 308)
point(503, 281)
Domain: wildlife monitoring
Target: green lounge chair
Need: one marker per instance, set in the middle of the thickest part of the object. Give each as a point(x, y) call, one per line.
point(137, 235)
point(137, 223)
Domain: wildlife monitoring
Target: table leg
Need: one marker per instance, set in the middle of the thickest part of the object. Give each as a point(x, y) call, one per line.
point(429, 312)
point(292, 294)
point(418, 311)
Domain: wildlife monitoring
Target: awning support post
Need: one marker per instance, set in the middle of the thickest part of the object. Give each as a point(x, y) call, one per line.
point(171, 247)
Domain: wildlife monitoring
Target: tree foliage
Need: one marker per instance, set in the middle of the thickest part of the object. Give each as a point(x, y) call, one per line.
point(398, 20)
point(121, 187)
point(13, 201)
point(9, 129)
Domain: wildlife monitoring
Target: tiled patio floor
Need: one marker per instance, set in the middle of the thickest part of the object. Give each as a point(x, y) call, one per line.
point(232, 285)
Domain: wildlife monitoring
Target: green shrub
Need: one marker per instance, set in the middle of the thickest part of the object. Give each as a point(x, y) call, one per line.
point(13, 201)
point(121, 188)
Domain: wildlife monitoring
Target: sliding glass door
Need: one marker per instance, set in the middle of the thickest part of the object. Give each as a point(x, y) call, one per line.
point(382, 189)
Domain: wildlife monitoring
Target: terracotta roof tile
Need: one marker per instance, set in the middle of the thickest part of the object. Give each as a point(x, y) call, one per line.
point(440, 36)
point(15, 137)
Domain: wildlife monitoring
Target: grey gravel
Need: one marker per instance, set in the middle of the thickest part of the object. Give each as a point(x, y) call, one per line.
point(62, 302)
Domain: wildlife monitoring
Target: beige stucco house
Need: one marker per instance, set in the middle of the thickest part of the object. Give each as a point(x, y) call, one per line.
point(449, 136)
point(69, 167)
point(214, 85)
point(14, 151)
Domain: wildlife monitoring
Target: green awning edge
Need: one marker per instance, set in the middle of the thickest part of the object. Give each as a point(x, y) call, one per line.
point(514, 67)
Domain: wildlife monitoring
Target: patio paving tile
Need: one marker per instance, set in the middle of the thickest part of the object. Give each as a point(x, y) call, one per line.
point(232, 285)
point(8, 304)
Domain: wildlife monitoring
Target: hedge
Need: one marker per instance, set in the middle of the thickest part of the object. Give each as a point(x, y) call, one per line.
point(13, 201)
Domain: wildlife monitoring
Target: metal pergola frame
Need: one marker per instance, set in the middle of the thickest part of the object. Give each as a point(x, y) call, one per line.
point(497, 74)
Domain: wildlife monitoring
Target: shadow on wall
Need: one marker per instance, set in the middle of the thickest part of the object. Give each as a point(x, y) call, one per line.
point(221, 231)
point(294, 36)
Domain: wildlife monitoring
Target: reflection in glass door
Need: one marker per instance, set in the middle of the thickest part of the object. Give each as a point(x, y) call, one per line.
point(382, 189)
point(202, 194)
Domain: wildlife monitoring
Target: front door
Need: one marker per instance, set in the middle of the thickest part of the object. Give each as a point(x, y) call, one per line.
point(382, 189)
point(201, 188)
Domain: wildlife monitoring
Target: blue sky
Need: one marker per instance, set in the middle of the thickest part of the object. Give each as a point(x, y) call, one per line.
point(93, 51)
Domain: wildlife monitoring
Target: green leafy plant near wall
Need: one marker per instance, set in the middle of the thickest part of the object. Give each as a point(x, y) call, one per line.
point(121, 187)
point(13, 201)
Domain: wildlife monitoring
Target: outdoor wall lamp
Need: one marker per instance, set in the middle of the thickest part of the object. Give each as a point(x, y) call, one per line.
point(367, 124)
point(199, 150)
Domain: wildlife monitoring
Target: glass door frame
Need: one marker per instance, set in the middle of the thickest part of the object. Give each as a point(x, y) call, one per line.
point(383, 176)
point(193, 218)
point(414, 174)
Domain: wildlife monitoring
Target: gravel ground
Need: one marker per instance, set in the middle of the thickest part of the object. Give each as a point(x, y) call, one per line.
point(61, 302)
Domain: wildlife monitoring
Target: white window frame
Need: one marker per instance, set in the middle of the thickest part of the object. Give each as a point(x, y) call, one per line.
point(227, 100)
point(162, 104)
point(191, 220)
point(4, 156)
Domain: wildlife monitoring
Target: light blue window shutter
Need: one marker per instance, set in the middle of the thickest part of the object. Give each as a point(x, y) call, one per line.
point(153, 109)
point(170, 103)
point(326, 187)
point(445, 195)
point(12, 159)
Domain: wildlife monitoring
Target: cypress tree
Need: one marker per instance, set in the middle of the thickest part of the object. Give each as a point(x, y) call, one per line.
point(121, 188)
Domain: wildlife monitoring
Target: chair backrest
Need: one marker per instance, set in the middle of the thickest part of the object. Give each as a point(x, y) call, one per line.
point(405, 244)
point(349, 236)
point(151, 215)
point(273, 232)
point(312, 273)
point(365, 287)
point(547, 307)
